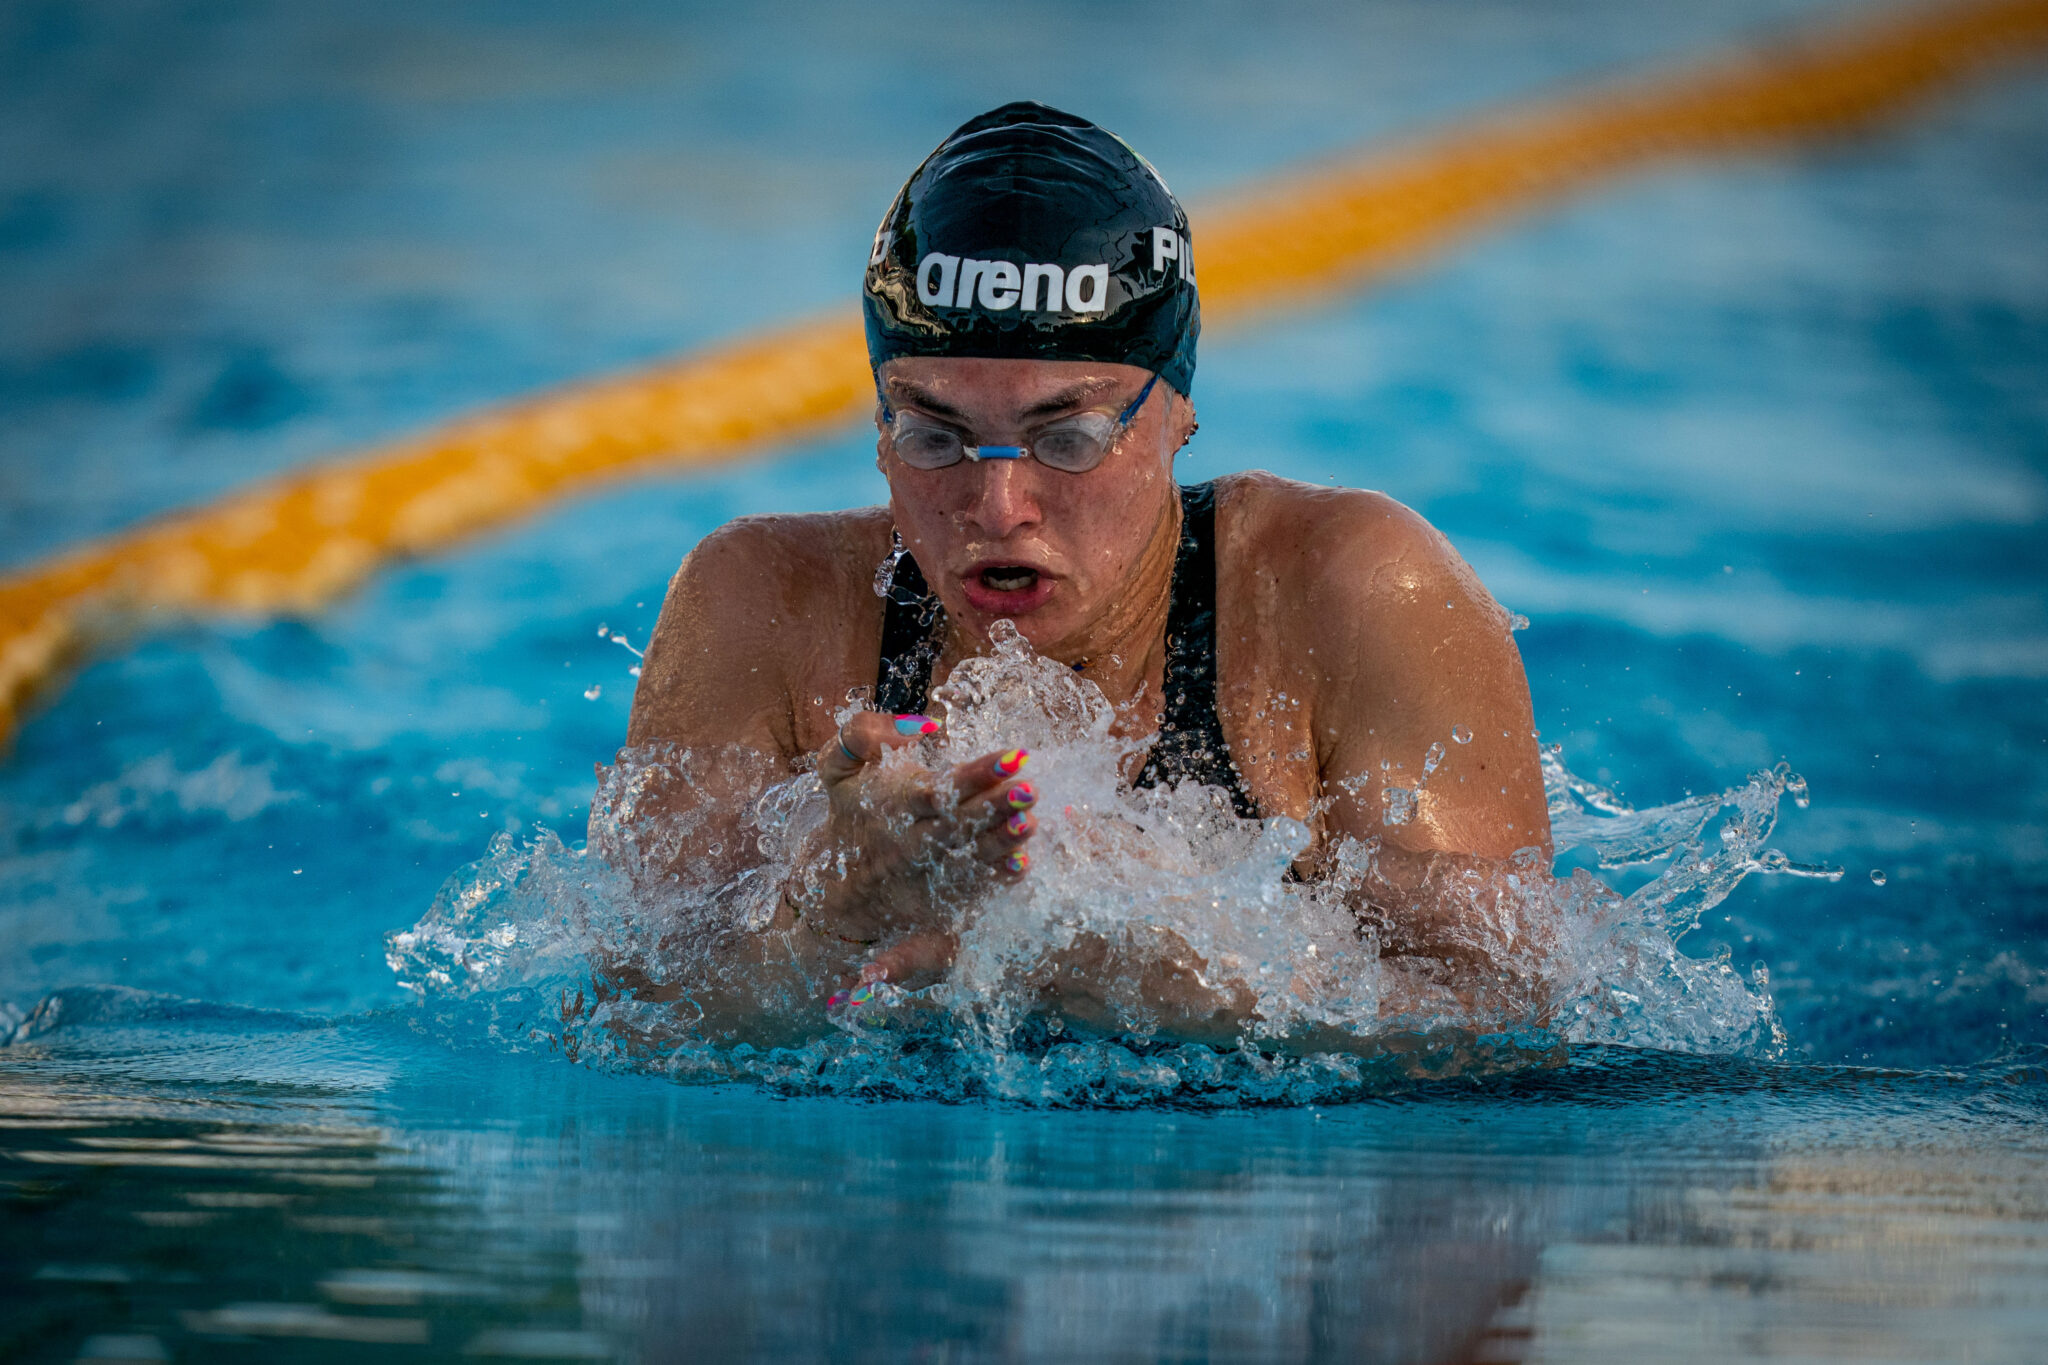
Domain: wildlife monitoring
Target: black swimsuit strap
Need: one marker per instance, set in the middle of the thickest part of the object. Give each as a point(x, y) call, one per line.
point(1191, 746)
point(912, 622)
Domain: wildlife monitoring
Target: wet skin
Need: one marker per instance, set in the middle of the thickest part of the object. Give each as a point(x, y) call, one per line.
point(1381, 640)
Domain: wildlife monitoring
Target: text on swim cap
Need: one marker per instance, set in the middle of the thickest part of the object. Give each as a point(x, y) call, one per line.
point(949, 282)
point(1168, 245)
point(954, 282)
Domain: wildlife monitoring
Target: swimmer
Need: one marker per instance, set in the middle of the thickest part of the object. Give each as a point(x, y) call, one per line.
point(1032, 316)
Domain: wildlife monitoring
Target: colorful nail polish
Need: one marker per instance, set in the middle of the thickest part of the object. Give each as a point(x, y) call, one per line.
point(1012, 763)
point(836, 999)
point(908, 724)
point(862, 994)
point(1018, 860)
point(1021, 796)
point(1019, 823)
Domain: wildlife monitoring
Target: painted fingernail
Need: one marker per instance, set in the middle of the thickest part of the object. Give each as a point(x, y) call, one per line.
point(909, 724)
point(1012, 763)
point(1018, 860)
point(836, 999)
point(1021, 796)
point(1020, 823)
point(862, 994)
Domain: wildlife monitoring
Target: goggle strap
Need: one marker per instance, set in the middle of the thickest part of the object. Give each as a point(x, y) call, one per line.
point(1132, 411)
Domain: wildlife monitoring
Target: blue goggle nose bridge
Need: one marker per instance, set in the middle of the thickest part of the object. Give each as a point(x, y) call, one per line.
point(995, 452)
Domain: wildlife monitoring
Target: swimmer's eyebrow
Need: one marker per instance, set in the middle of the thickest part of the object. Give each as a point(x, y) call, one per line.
point(1075, 396)
point(1085, 391)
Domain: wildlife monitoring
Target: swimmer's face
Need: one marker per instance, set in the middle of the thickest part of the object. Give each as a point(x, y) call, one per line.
point(1015, 539)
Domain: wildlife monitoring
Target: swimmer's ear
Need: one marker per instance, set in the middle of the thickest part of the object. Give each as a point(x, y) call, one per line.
point(1182, 423)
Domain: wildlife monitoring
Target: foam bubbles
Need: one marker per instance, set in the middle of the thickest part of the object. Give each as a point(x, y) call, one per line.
point(645, 949)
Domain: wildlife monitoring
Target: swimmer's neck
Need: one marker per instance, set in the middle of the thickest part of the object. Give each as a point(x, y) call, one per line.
point(1122, 646)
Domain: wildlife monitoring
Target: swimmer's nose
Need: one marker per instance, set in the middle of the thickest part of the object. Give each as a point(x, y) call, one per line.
point(1006, 498)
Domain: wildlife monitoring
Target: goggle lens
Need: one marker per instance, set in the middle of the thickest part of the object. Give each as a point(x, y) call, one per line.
point(923, 446)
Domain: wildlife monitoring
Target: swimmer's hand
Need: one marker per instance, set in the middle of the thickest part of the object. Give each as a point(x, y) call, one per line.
point(898, 843)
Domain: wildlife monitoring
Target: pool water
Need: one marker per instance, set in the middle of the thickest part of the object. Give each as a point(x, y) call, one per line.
point(1761, 449)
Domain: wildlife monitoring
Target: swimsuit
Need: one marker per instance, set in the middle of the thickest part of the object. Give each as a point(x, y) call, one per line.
point(1190, 747)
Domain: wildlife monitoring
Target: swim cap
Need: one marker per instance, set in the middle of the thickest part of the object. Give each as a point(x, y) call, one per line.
point(1031, 234)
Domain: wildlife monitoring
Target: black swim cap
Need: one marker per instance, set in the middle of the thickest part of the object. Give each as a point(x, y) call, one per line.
point(1031, 234)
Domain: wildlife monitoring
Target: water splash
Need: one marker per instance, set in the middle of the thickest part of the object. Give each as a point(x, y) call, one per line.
point(637, 950)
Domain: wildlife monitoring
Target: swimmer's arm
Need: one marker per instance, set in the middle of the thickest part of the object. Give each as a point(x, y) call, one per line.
point(1410, 651)
point(1162, 985)
point(1415, 657)
point(715, 667)
point(713, 680)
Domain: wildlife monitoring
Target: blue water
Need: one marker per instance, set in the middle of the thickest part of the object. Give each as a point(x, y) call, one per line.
point(1760, 448)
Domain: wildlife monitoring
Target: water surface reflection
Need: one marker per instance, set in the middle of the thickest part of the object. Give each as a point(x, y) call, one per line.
point(268, 1190)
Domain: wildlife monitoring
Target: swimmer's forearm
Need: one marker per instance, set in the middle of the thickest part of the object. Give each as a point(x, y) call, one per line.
point(1108, 988)
point(1458, 909)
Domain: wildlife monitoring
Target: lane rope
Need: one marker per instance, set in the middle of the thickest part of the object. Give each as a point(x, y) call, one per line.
point(292, 544)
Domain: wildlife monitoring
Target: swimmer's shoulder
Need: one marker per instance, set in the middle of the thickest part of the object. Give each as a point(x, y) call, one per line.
point(809, 558)
point(758, 607)
point(1343, 560)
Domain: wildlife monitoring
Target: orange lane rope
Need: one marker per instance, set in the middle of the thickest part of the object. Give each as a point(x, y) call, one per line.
point(294, 543)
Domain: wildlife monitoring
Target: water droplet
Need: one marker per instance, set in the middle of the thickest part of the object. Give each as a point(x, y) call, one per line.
point(1877, 876)
point(1518, 622)
point(1432, 759)
point(603, 630)
point(1795, 787)
point(885, 572)
point(1400, 805)
point(592, 692)
point(634, 671)
point(1461, 734)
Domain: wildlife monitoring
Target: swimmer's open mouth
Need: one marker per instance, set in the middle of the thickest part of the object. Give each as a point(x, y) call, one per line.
point(1007, 589)
point(1008, 578)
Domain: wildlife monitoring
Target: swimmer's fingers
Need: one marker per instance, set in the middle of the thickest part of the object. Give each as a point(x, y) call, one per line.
point(994, 821)
point(863, 740)
point(1002, 845)
point(914, 961)
point(955, 793)
point(990, 809)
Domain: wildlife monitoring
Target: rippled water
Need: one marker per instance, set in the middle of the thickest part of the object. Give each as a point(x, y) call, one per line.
point(250, 1188)
point(1761, 450)
point(511, 940)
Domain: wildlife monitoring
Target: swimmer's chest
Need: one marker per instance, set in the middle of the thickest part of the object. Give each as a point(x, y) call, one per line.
point(1264, 701)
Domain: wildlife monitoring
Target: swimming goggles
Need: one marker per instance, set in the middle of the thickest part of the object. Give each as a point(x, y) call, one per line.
point(1072, 445)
